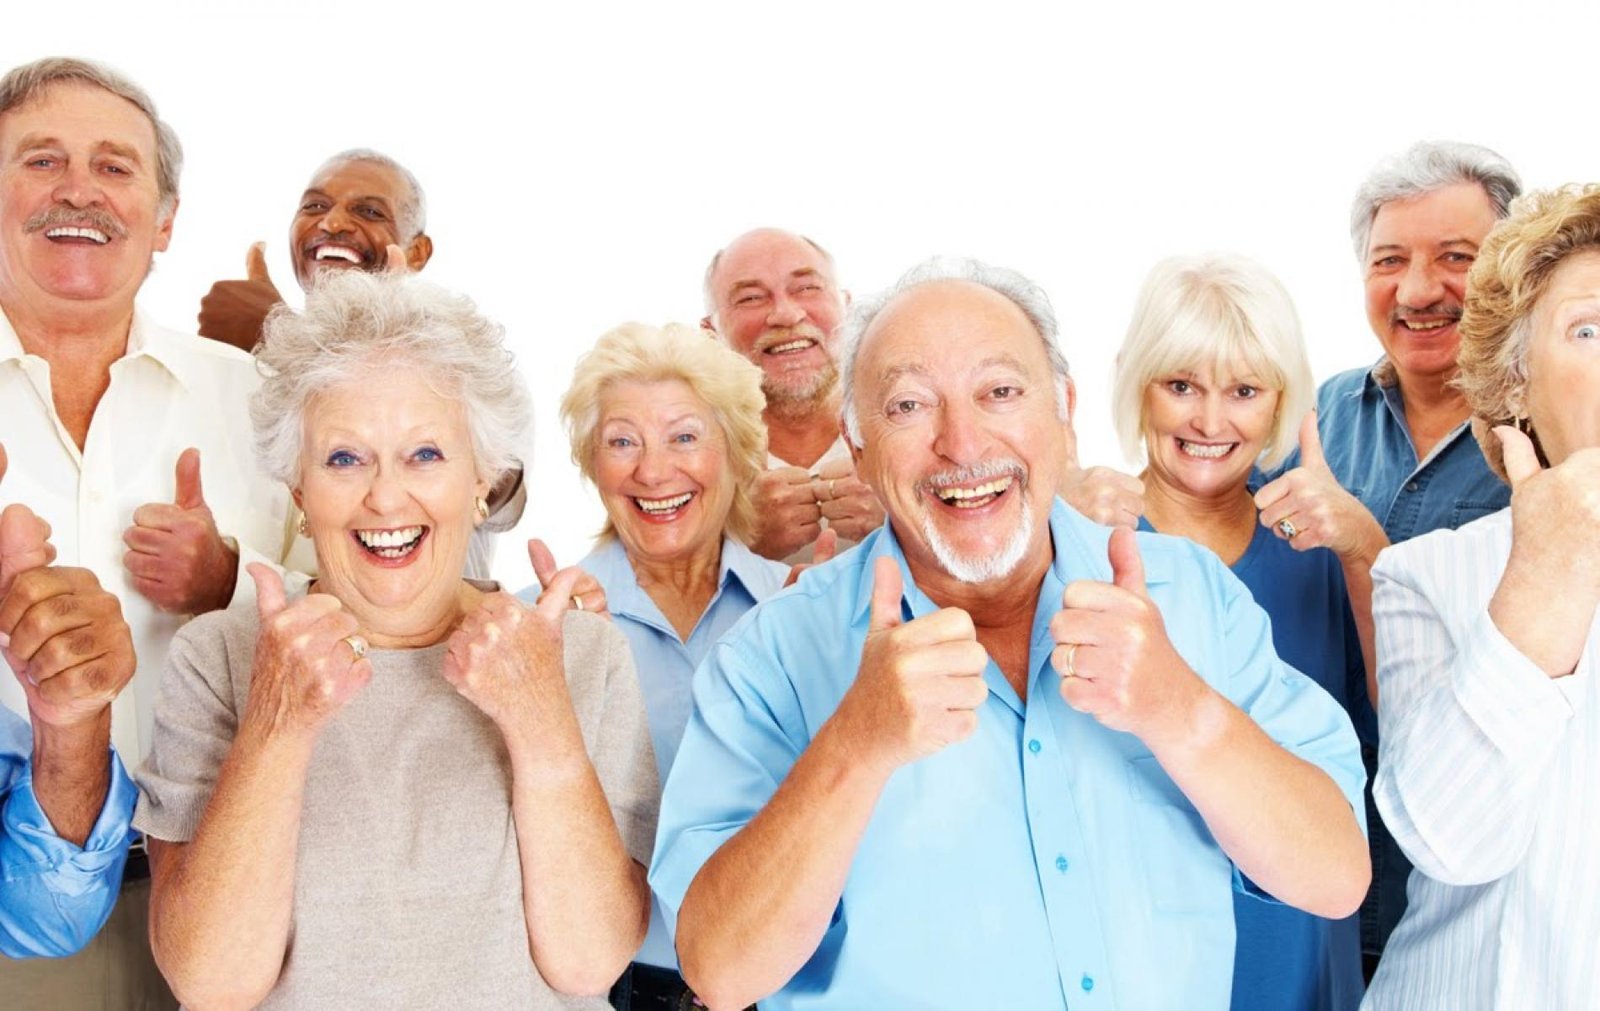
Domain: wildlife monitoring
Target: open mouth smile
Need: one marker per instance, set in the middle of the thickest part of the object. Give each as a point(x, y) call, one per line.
point(974, 496)
point(662, 510)
point(390, 545)
point(334, 252)
point(1206, 450)
point(71, 234)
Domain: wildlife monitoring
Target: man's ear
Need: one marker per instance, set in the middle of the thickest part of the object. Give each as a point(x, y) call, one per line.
point(419, 252)
point(164, 233)
point(855, 451)
point(844, 296)
point(1072, 397)
point(709, 323)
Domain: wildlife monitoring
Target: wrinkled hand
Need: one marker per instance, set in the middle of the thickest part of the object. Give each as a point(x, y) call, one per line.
point(505, 658)
point(65, 639)
point(920, 682)
point(24, 539)
point(846, 502)
point(1109, 497)
point(232, 311)
point(177, 559)
point(305, 671)
point(1555, 513)
point(1113, 654)
point(1322, 513)
point(586, 593)
point(826, 546)
point(788, 516)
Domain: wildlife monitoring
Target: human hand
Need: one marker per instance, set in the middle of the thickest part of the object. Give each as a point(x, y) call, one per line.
point(24, 539)
point(1109, 497)
point(846, 502)
point(177, 559)
point(788, 516)
point(823, 550)
point(586, 594)
point(233, 311)
point(1113, 654)
point(309, 660)
point(65, 639)
point(920, 683)
point(506, 659)
point(1318, 511)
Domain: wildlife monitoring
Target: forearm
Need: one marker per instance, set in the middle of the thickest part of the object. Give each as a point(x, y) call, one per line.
point(585, 898)
point(759, 907)
point(1281, 820)
point(221, 904)
point(71, 773)
point(1358, 587)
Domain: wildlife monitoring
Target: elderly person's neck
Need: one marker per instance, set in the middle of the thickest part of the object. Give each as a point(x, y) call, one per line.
point(80, 341)
point(681, 587)
point(1002, 610)
point(800, 433)
point(427, 623)
point(1225, 522)
point(1434, 408)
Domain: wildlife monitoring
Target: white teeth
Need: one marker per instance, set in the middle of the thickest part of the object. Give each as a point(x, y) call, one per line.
point(404, 538)
point(798, 345)
point(1409, 325)
point(994, 487)
point(94, 234)
point(1204, 451)
point(664, 505)
point(338, 253)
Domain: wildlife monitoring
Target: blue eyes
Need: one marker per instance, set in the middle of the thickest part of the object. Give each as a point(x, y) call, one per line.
point(1587, 331)
point(427, 454)
point(342, 458)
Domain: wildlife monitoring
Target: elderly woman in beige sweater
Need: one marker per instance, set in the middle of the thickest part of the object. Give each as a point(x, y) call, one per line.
point(401, 788)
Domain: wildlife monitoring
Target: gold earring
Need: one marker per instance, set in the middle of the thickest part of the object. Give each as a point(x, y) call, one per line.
point(305, 531)
point(480, 508)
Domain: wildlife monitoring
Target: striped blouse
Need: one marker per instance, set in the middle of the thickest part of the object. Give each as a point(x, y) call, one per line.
point(1489, 778)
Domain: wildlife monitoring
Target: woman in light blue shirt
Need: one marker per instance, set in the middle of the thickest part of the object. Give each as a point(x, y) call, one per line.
point(666, 423)
point(1212, 380)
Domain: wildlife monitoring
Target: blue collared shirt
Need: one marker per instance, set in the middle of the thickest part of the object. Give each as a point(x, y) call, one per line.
point(54, 896)
point(666, 664)
point(1362, 422)
point(1046, 861)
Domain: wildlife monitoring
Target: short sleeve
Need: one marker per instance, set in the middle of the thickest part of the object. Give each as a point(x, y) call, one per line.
point(623, 757)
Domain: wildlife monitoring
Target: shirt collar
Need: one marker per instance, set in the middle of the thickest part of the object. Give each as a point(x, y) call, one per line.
point(609, 564)
point(144, 340)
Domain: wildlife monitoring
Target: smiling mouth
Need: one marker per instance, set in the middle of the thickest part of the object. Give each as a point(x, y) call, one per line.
point(332, 252)
point(790, 347)
point(1206, 450)
point(390, 545)
point(663, 508)
point(1423, 326)
point(67, 233)
point(976, 496)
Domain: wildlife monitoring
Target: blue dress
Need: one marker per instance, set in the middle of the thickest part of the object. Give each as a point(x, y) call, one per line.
point(1286, 959)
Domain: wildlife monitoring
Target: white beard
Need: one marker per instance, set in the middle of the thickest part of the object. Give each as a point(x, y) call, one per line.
point(988, 567)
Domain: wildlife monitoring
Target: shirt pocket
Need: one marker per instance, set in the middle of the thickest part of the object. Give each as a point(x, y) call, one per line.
point(1187, 871)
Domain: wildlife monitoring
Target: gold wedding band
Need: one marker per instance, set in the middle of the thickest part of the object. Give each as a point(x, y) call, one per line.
point(1072, 668)
point(577, 601)
point(831, 494)
point(357, 645)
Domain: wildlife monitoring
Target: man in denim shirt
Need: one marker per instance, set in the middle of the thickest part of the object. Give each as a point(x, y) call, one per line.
point(1395, 436)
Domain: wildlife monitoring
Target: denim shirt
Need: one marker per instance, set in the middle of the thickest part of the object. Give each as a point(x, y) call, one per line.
point(1362, 422)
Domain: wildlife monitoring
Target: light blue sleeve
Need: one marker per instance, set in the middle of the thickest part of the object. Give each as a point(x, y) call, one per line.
point(54, 896)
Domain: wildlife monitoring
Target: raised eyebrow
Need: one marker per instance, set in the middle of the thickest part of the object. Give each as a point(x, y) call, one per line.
point(745, 285)
point(900, 369)
point(119, 150)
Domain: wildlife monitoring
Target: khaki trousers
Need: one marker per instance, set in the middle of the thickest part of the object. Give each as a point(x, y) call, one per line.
point(115, 972)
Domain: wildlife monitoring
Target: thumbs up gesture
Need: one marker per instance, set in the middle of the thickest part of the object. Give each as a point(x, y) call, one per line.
point(176, 557)
point(920, 682)
point(24, 539)
point(233, 311)
point(309, 660)
point(1112, 651)
point(1310, 509)
point(822, 550)
point(506, 659)
point(584, 593)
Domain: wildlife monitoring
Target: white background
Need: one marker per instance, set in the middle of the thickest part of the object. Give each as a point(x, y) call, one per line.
point(583, 162)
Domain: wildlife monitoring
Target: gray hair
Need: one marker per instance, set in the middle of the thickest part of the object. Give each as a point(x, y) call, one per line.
point(358, 325)
point(1424, 167)
point(716, 258)
point(412, 214)
point(1023, 293)
point(28, 82)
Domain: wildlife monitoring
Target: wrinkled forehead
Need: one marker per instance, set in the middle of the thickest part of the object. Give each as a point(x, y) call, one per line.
point(768, 258)
point(948, 328)
point(354, 180)
point(80, 113)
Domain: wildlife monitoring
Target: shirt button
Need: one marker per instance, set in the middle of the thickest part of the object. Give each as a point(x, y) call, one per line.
point(1033, 746)
point(1088, 982)
point(1412, 486)
point(1061, 864)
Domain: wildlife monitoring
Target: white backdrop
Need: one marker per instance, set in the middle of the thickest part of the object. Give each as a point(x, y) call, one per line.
point(583, 162)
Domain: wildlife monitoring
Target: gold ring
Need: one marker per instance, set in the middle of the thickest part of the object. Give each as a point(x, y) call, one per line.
point(1072, 653)
point(577, 601)
point(357, 645)
point(1287, 528)
point(831, 493)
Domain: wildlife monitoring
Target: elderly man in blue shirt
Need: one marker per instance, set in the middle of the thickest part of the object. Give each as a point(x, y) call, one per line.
point(65, 800)
point(998, 755)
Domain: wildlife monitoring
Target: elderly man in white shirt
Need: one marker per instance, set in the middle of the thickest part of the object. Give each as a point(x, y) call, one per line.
point(1489, 773)
point(111, 421)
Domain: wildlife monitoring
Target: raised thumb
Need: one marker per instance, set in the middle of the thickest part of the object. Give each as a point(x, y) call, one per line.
point(826, 547)
point(544, 562)
point(1127, 568)
point(887, 589)
point(189, 493)
point(1311, 442)
point(269, 589)
point(1520, 459)
point(255, 263)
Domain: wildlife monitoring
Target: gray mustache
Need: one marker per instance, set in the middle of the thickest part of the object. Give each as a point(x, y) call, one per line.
point(76, 217)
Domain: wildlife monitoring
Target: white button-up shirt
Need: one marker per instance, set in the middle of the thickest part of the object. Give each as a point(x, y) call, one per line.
point(1489, 778)
point(168, 392)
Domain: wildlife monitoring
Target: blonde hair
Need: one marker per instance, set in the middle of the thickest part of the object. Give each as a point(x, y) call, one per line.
point(728, 384)
point(1214, 309)
point(1506, 282)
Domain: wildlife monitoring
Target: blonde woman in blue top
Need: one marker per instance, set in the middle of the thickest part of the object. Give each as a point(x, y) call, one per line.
point(666, 423)
point(1212, 381)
